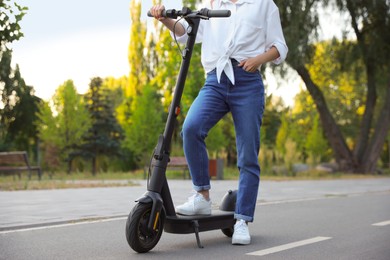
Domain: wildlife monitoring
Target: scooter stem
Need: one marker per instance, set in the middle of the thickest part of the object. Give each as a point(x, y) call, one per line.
point(158, 182)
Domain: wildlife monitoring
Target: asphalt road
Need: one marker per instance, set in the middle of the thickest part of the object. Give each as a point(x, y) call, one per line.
point(337, 225)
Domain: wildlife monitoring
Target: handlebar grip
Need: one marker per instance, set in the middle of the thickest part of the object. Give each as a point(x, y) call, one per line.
point(163, 14)
point(215, 13)
point(171, 13)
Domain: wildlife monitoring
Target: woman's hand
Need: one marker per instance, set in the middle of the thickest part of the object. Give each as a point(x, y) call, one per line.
point(251, 64)
point(156, 11)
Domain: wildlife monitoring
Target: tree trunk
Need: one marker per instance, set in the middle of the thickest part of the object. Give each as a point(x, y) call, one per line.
point(94, 165)
point(365, 127)
point(374, 149)
point(342, 153)
point(370, 149)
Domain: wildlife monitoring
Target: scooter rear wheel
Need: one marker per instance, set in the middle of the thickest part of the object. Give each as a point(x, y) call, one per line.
point(138, 236)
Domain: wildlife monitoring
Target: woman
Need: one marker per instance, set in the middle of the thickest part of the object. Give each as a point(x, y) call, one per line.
point(233, 50)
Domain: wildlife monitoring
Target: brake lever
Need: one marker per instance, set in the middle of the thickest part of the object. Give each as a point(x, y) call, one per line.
point(196, 15)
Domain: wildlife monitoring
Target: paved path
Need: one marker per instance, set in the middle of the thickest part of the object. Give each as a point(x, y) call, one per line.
point(20, 209)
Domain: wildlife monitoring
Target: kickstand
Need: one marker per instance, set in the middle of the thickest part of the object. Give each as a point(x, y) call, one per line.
point(196, 229)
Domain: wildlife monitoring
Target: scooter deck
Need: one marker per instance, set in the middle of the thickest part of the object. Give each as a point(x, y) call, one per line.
point(180, 224)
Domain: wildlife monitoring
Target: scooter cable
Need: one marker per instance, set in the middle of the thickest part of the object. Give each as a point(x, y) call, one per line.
point(174, 36)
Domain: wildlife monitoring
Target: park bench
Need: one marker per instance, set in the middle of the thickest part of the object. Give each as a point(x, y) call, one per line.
point(179, 163)
point(175, 163)
point(17, 162)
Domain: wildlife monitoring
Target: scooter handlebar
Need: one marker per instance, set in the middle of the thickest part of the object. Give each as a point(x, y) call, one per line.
point(214, 13)
point(203, 13)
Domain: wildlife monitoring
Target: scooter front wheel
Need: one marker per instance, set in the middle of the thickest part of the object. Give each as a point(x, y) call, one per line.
point(139, 237)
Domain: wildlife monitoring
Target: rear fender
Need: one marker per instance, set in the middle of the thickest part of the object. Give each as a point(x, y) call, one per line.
point(228, 202)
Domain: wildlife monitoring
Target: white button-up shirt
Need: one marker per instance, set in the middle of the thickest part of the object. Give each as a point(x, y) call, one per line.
point(252, 29)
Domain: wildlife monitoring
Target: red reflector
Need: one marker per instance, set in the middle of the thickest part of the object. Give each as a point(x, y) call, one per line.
point(177, 111)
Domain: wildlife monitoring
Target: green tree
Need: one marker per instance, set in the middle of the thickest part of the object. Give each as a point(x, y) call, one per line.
point(274, 110)
point(46, 124)
point(302, 115)
point(48, 134)
point(72, 115)
point(73, 119)
point(18, 108)
point(340, 79)
point(22, 132)
point(116, 87)
point(146, 125)
point(138, 64)
point(316, 144)
point(282, 136)
point(10, 79)
point(11, 15)
point(64, 131)
point(137, 75)
point(104, 135)
point(370, 22)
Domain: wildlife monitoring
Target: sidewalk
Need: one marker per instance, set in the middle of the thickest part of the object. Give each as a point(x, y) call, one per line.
point(30, 208)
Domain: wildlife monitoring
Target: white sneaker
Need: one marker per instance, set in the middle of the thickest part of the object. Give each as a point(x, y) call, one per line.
point(241, 233)
point(196, 205)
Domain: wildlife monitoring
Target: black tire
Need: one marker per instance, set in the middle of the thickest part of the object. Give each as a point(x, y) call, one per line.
point(139, 238)
point(228, 231)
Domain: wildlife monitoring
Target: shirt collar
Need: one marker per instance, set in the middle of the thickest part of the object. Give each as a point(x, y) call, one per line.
point(238, 2)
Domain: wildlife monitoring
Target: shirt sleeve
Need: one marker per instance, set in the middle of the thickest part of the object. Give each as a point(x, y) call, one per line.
point(275, 36)
point(184, 37)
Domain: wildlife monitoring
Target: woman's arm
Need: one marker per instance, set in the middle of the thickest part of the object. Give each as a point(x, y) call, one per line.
point(252, 64)
point(157, 10)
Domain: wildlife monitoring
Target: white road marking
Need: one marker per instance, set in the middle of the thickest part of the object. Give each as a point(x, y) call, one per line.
point(276, 202)
point(288, 246)
point(63, 225)
point(381, 224)
point(324, 197)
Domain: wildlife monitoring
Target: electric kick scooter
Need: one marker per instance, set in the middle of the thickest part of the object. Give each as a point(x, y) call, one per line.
point(154, 211)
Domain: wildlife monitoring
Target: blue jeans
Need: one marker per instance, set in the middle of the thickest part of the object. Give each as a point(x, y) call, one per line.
point(245, 100)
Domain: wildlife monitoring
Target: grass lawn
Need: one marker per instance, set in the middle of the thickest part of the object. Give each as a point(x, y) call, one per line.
point(60, 180)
